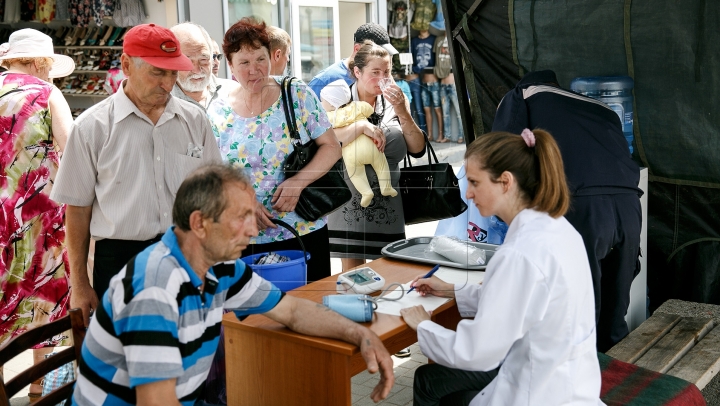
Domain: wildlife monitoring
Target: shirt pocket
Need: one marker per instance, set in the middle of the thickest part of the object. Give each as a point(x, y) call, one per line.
point(178, 167)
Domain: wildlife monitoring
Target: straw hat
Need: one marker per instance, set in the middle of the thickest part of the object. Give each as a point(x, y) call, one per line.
point(29, 43)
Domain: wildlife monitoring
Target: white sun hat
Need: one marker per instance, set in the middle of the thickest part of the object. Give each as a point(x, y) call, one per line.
point(29, 43)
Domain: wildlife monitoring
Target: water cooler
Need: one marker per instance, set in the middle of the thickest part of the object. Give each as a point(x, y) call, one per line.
point(616, 92)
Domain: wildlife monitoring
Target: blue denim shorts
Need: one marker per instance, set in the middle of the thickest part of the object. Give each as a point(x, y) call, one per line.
point(431, 91)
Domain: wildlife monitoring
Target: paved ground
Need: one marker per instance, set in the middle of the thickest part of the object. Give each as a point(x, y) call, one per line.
point(401, 393)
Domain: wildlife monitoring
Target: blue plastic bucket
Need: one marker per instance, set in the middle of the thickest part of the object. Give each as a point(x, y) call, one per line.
point(285, 275)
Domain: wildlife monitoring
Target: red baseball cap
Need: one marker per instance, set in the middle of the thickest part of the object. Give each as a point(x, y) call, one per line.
point(157, 46)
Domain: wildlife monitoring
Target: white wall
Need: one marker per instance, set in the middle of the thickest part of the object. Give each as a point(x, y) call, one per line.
point(158, 12)
point(209, 14)
point(352, 15)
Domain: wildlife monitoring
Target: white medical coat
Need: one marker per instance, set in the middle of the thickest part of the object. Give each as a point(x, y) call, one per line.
point(534, 316)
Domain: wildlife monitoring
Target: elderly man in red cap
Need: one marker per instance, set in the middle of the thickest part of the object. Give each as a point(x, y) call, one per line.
point(124, 161)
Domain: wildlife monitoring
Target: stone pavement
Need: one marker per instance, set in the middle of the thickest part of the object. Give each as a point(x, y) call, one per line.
point(401, 394)
point(449, 152)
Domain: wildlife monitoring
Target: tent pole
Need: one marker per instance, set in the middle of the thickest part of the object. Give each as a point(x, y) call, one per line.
point(457, 67)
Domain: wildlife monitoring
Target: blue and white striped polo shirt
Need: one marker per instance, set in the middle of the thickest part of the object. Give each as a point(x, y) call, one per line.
point(154, 324)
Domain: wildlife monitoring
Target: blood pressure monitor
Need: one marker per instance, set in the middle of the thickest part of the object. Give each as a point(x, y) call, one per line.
point(362, 280)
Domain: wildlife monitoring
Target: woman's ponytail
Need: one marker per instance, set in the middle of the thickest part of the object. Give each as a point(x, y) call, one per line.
point(552, 194)
point(534, 160)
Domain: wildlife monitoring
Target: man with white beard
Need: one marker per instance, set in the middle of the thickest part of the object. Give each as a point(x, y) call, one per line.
point(198, 86)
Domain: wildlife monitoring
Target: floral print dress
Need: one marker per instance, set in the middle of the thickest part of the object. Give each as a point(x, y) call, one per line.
point(34, 279)
point(260, 145)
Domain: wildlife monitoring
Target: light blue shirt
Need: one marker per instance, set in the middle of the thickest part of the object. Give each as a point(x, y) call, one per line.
point(336, 71)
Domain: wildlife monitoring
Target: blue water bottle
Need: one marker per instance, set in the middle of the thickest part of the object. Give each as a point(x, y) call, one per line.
point(616, 92)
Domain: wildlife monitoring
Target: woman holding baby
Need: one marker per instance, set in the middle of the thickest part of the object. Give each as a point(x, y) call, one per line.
point(356, 232)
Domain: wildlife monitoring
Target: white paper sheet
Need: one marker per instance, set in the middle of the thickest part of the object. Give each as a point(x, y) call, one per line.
point(409, 300)
point(430, 303)
point(459, 276)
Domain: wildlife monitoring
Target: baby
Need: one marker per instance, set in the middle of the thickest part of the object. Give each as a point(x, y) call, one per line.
point(335, 97)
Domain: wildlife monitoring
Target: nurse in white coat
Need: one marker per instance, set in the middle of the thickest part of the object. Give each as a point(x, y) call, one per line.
point(534, 315)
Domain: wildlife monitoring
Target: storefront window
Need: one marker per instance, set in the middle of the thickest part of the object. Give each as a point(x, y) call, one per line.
point(265, 10)
point(317, 40)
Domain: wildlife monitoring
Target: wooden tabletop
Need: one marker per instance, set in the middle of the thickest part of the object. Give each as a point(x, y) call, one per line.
point(392, 330)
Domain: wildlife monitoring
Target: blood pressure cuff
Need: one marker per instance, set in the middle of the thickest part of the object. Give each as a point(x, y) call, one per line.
point(357, 308)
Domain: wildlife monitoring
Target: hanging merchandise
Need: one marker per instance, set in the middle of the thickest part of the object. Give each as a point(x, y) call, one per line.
point(129, 13)
point(398, 31)
point(80, 12)
point(27, 10)
point(443, 63)
point(437, 26)
point(12, 11)
point(398, 19)
point(45, 11)
point(424, 13)
point(62, 11)
point(102, 9)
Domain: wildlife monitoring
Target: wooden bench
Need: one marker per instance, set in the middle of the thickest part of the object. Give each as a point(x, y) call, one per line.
point(685, 347)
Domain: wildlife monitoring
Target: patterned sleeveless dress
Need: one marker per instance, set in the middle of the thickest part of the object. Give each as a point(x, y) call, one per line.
point(34, 279)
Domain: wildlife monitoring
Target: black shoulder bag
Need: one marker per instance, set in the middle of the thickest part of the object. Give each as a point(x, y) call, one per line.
point(435, 185)
point(326, 194)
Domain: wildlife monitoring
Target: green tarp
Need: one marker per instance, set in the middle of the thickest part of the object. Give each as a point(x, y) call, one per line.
point(672, 51)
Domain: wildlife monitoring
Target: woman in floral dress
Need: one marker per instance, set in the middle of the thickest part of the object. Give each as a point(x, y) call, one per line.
point(249, 121)
point(35, 121)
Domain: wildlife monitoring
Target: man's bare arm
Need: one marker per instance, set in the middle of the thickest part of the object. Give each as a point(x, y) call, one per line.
point(77, 240)
point(160, 393)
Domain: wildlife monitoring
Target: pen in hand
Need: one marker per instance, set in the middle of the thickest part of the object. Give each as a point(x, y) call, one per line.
point(427, 275)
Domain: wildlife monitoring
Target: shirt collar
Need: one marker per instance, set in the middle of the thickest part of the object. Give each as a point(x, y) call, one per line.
point(123, 107)
point(170, 241)
point(545, 77)
point(378, 99)
point(525, 216)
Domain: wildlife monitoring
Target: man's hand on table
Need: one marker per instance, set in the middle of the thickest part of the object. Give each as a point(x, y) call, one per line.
point(378, 359)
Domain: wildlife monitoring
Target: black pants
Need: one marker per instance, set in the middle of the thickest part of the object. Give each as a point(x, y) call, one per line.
point(435, 385)
point(610, 227)
point(111, 256)
point(317, 243)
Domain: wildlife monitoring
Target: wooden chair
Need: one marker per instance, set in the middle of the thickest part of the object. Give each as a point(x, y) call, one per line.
point(73, 321)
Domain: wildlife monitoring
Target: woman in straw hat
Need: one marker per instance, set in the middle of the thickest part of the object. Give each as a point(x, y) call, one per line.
point(35, 121)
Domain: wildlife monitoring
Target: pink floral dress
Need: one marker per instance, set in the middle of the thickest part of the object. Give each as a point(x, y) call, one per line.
point(34, 279)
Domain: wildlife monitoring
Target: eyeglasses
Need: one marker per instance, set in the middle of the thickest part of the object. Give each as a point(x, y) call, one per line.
point(217, 56)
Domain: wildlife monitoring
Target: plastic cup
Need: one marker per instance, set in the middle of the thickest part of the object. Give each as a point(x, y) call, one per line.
point(385, 83)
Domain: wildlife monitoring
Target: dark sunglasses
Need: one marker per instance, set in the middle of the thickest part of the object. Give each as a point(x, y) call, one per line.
point(217, 56)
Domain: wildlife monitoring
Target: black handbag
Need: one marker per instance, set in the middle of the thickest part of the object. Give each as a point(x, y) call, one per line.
point(326, 194)
point(429, 192)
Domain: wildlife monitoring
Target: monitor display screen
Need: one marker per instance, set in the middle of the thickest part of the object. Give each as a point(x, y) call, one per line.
point(358, 278)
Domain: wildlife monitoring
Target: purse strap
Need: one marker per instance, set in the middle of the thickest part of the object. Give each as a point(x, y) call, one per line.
point(428, 150)
point(285, 88)
point(294, 232)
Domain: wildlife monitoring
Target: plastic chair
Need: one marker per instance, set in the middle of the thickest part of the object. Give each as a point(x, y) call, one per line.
point(73, 321)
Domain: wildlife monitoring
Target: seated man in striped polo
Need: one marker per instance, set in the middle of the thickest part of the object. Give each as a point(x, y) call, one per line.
point(154, 336)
